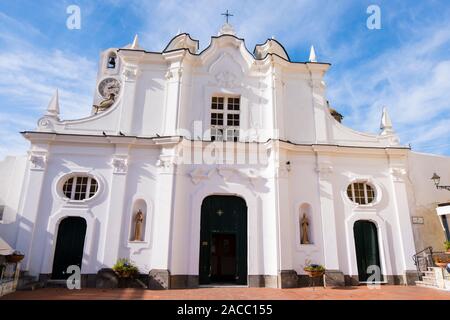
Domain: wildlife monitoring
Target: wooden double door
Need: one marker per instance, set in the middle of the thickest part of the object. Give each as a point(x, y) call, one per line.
point(223, 241)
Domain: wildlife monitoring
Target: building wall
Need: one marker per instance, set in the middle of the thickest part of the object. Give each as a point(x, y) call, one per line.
point(424, 198)
point(132, 150)
point(12, 176)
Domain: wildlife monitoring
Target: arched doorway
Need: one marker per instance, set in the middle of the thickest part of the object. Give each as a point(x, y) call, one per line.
point(367, 251)
point(69, 246)
point(223, 240)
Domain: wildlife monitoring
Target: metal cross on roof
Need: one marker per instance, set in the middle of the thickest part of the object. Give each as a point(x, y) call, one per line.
point(227, 15)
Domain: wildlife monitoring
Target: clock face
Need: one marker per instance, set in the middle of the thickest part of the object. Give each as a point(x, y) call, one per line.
point(109, 86)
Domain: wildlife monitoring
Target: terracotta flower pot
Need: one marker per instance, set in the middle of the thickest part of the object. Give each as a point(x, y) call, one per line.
point(441, 264)
point(314, 274)
point(14, 258)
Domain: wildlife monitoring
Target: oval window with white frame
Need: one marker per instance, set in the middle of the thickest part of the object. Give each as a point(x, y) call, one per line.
point(361, 193)
point(80, 187)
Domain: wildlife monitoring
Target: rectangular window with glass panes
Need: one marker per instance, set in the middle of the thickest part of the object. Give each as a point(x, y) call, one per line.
point(225, 118)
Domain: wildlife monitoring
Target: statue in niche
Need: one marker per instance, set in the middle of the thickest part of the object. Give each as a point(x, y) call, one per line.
point(138, 222)
point(304, 223)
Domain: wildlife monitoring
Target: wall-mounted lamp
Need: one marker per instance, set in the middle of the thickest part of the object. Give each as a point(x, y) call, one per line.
point(288, 166)
point(436, 179)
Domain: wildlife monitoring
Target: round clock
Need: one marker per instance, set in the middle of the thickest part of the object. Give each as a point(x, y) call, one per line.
point(109, 86)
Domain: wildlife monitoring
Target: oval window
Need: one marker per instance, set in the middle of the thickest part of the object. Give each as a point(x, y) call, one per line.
point(80, 188)
point(361, 193)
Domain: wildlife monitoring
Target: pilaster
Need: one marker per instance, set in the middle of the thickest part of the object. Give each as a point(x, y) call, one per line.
point(119, 164)
point(174, 78)
point(29, 208)
point(324, 170)
point(398, 173)
point(164, 208)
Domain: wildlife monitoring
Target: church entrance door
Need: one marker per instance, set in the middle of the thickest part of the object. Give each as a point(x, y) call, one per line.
point(69, 246)
point(223, 241)
point(367, 252)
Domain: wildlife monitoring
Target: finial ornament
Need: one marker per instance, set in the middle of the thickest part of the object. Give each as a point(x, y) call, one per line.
point(227, 28)
point(53, 106)
point(312, 55)
point(135, 44)
point(386, 123)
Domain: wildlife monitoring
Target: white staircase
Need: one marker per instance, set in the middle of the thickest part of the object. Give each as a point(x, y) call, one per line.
point(437, 278)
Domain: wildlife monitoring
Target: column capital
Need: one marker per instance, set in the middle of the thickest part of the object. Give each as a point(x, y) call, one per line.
point(38, 160)
point(120, 164)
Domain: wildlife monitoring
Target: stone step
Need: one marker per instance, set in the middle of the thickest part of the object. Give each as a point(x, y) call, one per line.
point(31, 286)
point(25, 281)
point(56, 284)
point(425, 284)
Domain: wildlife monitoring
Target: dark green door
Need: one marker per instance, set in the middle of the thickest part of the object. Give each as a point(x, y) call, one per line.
point(223, 240)
point(367, 252)
point(69, 246)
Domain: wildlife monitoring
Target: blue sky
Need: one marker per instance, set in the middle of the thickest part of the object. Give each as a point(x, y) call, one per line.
point(405, 65)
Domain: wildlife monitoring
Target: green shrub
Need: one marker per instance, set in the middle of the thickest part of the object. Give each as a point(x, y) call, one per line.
point(447, 245)
point(125, 268)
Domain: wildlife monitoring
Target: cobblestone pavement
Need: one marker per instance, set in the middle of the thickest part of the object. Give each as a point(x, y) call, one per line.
point(229, 293)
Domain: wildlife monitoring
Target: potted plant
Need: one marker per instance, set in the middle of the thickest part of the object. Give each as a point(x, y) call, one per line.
point(124, 268)
point(447, 246)
point(441, 262)
point(15, 257)
point(314, 270)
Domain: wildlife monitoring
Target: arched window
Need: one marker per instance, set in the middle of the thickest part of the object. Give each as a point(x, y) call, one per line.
point(80, 187)
point(361, 193)
point(111, 63)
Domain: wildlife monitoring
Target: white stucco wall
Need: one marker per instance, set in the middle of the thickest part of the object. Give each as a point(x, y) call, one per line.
point(424, 198)
point(132, 148)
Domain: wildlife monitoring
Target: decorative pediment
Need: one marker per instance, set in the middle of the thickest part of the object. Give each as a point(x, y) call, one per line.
point(271, 46)
point(227, 71)
point(182, 41)
point(227, 44)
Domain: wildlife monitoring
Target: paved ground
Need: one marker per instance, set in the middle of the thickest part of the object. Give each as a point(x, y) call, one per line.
point(354, 293)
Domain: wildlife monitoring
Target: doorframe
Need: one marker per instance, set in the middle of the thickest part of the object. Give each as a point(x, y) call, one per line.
point(195, 230)
point(56, 242)
point(52, 234)
point(234, 196)
point(383, 245)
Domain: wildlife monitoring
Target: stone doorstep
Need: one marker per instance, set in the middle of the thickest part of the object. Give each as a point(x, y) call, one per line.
point(163, 280)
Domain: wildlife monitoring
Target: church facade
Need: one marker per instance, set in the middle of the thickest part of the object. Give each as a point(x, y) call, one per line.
point(215, 167)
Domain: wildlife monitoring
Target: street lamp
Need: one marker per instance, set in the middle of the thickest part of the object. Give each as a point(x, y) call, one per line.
point(436, 179)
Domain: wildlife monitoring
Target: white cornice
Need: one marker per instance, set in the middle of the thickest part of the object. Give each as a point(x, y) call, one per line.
point(323, 149)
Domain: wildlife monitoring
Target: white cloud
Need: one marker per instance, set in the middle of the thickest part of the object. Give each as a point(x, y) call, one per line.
point(29, 76)
point(412, 80)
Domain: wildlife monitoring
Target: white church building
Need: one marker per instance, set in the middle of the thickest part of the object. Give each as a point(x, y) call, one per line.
point(215, 167)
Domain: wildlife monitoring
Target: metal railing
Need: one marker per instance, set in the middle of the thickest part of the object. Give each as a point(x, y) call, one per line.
point(423, 260)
